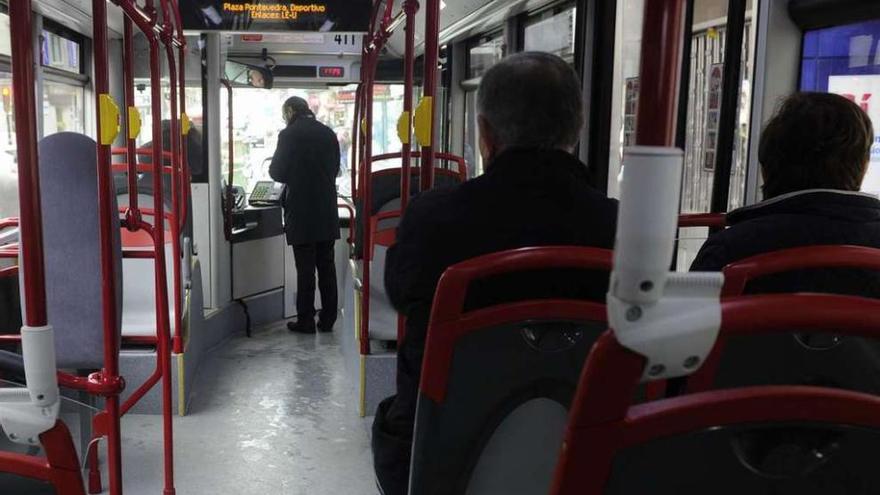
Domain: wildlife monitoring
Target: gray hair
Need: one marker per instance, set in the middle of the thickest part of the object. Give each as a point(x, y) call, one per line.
point(532, 99)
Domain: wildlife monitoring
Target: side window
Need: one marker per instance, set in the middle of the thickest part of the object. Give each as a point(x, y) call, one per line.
point(61, 53)
point(552, 31)
point(8, 158)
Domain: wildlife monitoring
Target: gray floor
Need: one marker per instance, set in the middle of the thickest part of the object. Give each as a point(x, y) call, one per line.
point(270, 415)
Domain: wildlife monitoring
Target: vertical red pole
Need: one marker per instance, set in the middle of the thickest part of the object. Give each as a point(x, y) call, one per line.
point(410, 7)
point(175, 187)
point(662, 41)
point(159, 220)
point(355, 146)
point(184, 157)
point(30, 217)
point(184, 151)
point(231, 164)
point(131, 146)
point(108, 263)
point(160, 274)
point(432, 48)
point(366, 198)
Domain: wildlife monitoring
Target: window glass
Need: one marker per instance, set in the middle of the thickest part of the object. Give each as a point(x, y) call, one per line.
point(627, 47)
point(8, 158)
point(704, 105)
point(5, 45)
point(60, 53)
point(472, 137)
point(552, 32)
point(484, 53)
point(63, 108)
point(708, 45)
point(258, 121)
point(142, 100)
point(845, 60)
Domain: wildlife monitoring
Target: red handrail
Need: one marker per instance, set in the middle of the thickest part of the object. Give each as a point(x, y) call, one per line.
point(351, 223)
point(711, 220)
point(227, 211)
point(108, 265)
point(662, 39)
point(410, 8)
point(5, 223)
point(739, 273)
point(429, 85)
point(140, 168)
point(145, 152)
point(448, 308)
point(603, 420)
point(449, 157)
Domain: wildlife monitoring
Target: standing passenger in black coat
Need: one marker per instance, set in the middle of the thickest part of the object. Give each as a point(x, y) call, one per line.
point(534, 193)
point(307, 161)
point(814, 155)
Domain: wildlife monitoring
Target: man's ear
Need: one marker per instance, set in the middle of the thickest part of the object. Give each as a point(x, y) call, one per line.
point(488, 142)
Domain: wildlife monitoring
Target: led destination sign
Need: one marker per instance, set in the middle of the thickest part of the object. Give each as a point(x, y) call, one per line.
point(276, 15)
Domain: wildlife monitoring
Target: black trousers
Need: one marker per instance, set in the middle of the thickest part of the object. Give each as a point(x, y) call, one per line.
point(308, 258)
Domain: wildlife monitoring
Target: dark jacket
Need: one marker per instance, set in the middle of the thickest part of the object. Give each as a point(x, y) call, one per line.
point(307, 161)
point(525, 198)
point(806, 218)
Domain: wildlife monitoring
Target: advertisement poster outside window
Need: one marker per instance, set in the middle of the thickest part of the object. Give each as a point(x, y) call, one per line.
point(865, 92)
point(713, 111)
point(630, 111)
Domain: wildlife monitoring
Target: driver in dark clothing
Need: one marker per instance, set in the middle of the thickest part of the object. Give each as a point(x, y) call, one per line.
point(535, 192)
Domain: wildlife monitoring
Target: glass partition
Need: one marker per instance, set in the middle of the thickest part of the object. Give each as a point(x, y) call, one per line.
point(551, 32)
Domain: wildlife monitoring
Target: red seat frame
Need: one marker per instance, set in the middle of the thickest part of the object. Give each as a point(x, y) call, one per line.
point(738, 274)
point(603, 421)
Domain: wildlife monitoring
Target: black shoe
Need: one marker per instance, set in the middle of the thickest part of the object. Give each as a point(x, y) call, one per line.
point(325, 328)
point(301, 327)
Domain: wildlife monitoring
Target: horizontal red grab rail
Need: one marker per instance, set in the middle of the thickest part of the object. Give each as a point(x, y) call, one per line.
point(711, 220)
point(143, 168)
point(9, 250)
point(148, 212)
point(146, 152)
point(5, 223)
point(350, 209)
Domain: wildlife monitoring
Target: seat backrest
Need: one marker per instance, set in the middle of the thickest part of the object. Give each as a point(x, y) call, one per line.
point(794, 358)
point(69, 198)
point(758, 439)
point(497, 381)
point(386, 190)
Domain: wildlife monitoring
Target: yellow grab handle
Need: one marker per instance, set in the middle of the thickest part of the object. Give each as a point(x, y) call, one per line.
point(134, 122)
point(403, 127)
point(185, 123)
point(364, 126)
point(109, 119)
point(424, 121)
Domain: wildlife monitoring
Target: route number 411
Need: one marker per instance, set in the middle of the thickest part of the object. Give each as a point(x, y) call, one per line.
point(345, 39)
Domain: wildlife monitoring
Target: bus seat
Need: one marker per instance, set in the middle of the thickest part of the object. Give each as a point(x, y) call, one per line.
point(777, 439)
point(386, 188)
point(794, 358)
point(68, 173)
point(383, 316)
point(384, 319)
point(497, 381)
point(139, 295)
